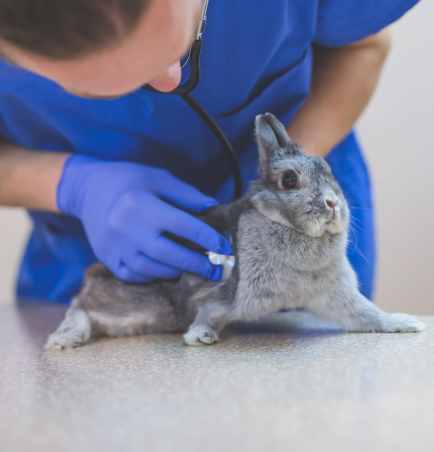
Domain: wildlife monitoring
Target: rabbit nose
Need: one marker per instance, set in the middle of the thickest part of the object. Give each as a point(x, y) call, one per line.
point(330, 203)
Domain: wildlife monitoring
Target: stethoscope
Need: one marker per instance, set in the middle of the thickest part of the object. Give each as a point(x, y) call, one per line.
point(184, 92)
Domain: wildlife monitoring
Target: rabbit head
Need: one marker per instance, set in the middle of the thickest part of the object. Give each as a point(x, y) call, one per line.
point(295, 189)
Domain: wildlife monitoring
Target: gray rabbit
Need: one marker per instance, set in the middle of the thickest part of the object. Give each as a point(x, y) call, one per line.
point(289, 236)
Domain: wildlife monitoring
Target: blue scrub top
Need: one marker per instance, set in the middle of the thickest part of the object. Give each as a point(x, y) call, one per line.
point(256, 57)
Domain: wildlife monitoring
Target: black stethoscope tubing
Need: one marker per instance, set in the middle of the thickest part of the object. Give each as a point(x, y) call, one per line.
point(184, 92)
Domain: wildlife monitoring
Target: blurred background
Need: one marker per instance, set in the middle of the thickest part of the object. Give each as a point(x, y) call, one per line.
point(395, 131)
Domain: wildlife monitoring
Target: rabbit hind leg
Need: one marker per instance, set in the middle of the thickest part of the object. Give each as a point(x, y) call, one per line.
point(356, 313)
point(74, 331)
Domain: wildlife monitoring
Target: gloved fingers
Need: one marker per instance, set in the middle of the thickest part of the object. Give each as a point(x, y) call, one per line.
point(170, 253)
point(149, 268)
point(199, 232)
point(185, 195)
point(185, 225)
point(127, 275)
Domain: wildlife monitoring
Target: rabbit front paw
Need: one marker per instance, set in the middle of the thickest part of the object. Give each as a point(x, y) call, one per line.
point(200, 335)
point(402, 323)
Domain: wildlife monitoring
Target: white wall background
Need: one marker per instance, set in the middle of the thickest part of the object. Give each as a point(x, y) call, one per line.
point(397, 133)
point(14, 229)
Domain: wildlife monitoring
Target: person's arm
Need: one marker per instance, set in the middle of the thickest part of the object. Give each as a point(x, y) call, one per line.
point(343, 81)
point(29, 178)
point(126, 210)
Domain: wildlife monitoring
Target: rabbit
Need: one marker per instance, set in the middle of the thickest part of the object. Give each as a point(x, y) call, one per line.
point(289, 235)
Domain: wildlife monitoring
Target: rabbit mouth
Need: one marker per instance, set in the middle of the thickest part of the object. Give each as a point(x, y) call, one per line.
point(332, 219)
point(334, 226)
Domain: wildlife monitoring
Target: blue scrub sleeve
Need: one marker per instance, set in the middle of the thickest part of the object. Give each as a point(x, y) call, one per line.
point(342, 22)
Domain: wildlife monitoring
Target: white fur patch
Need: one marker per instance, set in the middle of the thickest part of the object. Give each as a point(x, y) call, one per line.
point(122, 326)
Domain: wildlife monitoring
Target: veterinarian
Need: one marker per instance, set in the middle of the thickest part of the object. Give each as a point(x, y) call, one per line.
point(105, 167)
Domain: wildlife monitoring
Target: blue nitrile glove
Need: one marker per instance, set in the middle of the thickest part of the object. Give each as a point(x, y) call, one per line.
point(123, 210)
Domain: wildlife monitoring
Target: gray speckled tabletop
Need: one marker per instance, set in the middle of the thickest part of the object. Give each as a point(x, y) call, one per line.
point(286, 383)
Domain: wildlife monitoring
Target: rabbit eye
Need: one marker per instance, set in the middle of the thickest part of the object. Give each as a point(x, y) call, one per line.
point(289, 180)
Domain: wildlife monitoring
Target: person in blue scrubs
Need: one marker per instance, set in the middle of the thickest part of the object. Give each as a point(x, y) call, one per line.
point(106, 168)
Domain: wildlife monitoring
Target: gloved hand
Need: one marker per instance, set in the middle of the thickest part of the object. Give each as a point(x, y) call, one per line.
point(123, 210)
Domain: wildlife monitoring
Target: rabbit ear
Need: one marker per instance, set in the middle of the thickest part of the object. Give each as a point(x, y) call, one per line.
point(272, 137)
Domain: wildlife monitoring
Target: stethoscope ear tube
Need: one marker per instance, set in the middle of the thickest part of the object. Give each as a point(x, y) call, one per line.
point(193, 81)
point(223, 140)
point(184, 92)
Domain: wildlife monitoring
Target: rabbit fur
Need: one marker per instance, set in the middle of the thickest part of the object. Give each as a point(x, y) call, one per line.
point(289, 235)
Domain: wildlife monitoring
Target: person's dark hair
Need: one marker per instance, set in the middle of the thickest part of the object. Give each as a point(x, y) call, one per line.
point(65, 29)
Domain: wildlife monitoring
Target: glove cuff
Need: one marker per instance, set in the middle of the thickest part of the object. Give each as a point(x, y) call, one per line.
point(72, 184)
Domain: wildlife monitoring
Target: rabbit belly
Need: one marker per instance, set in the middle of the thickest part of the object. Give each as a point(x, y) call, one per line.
point(130, 325)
